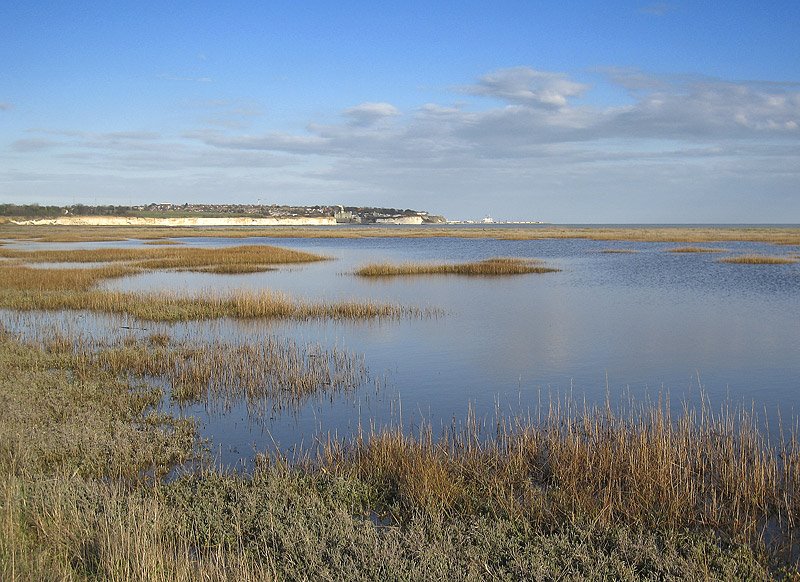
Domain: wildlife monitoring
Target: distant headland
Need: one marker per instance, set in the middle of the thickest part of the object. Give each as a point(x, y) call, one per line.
point(168, 214)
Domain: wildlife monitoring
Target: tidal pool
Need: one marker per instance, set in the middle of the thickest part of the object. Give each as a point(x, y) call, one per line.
point(613, 325)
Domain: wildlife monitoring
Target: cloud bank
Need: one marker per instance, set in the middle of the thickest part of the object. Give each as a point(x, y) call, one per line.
point(525, 143)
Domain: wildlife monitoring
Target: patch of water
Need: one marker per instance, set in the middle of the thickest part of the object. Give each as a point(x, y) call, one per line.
point(606, 324)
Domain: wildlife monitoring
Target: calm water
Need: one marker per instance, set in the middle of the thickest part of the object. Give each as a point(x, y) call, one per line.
point(645, 322)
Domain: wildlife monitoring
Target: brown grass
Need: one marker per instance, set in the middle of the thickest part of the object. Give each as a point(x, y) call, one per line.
point(696, 250)
point(57, 416)
point(23, 288)
point(231, 269)
point(758, 260)
point(579, 490)
point(702, 469)
point(170, 258)
point(163, 242)
point(269, 374)
point(21, 278)
point(490, 267)
point(174, 307)
point(693, 234)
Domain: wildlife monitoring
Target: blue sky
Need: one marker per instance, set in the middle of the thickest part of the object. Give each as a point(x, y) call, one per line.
point(564, 112)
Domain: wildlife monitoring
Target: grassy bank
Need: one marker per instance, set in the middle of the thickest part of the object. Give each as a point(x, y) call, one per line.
point(759, 260)
point(494, 267)
point(696, 250)
point(677, 234)
point(586, 493)
point(170, 307)
point(24, 289)
point(246, 258)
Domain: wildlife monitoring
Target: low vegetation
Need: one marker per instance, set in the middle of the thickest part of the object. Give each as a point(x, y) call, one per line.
point(59, 418)
point(758, 260)
point(490, 267)
point(696, 250)
point(677, 234)
point(25, 289)
point(19, 280)
point(269, 375)
point(225, 259)
point(586, 493)
point(175, 307)
point(163, 242)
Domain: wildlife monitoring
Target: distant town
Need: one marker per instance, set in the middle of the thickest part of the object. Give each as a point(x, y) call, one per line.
point(251, 213)
point(338, 213)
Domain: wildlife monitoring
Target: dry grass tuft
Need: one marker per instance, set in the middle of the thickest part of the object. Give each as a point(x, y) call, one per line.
point(22, 278)
point(25, 289)
point(231, 269)
point(270, 375)
point(696, 250)
point(163, 242)
point(758, 260)
point(174, 307)
point(490, 267)
point(171, 258)
point(702, 469)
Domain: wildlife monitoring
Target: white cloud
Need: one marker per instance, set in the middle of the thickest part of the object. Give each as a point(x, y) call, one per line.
point(682, 140)
point(33, 145)
point(527, 86)
point(367, 114)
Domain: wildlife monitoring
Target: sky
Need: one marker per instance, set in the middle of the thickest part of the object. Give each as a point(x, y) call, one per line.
point(567, 112)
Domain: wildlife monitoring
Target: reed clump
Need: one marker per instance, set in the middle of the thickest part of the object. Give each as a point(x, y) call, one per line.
point(19, 278)
point(231, 269)
point(701, 470)
point(184, 258)
point(696, 250)
point(758, 260)
point(25, 289)
point(170, 307)
point(271, 375)
point(498, 266)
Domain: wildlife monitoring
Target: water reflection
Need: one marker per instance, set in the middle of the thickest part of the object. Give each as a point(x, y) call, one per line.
point(644, 321)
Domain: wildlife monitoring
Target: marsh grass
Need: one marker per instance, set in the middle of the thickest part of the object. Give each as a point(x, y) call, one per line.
point(679, 234)
point(59, 416)
point(271, 375)
point(758, 260)
point(26, 289)
point(617, 495)
point(231, 269)
point(701, 470)
point(170, 307)
point(17, 278)
point(498, 266)
point(163, 242)
point(185, 258)
point(696, 250)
